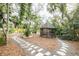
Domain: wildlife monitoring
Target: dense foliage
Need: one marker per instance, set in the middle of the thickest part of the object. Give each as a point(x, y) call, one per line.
point(3, 23)
point(69, 22)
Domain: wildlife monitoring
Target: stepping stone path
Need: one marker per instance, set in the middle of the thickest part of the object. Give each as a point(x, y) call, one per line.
point(34, 49)
point(64, 49)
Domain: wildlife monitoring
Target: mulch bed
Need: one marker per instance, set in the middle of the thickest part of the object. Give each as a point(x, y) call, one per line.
point(50, 43)
point(11, 49)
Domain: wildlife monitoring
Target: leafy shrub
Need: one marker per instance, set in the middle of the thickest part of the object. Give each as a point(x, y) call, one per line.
point(2, 41)
point(66, 34)
point(20, 30)
point(27, 32)
point(11, 30)
point(67, 37)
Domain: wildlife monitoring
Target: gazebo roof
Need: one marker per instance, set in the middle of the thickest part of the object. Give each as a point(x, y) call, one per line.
point(47, 25)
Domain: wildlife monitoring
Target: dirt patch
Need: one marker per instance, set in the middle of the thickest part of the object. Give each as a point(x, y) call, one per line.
point(11, 49)
point(50, 43)
point(74, 46)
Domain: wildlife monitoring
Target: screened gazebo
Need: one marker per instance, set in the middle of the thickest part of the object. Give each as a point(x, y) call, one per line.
point(47, 30)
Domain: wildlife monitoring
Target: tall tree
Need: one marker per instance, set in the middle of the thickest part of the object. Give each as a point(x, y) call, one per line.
point(25, 15)
point(52, 7)
point(4, 19)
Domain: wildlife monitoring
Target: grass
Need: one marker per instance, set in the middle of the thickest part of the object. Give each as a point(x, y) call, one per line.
point(2, 41)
